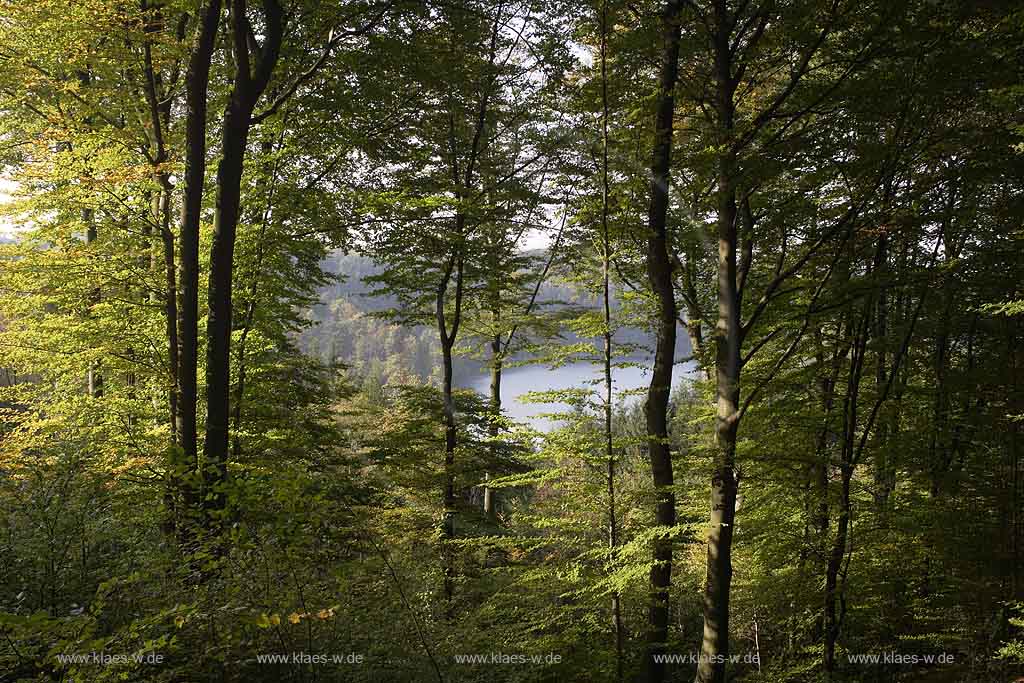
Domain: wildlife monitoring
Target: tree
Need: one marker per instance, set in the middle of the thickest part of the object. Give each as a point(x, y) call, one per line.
point(828, 201)
point(197, 76)
point(436, 230)
point(659, 273)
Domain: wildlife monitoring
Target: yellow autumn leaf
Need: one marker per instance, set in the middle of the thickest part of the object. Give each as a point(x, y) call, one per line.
point(294, 617)
point(325, 613)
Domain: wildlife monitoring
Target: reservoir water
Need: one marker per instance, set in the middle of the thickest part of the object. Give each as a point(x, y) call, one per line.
point(518, 381)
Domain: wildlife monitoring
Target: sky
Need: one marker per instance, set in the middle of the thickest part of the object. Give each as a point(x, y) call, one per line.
point(6, 187)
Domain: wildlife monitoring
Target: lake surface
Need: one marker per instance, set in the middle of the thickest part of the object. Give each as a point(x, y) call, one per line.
point(517, 381)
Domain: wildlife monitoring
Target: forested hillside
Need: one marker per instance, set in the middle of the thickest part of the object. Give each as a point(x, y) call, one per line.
point(348, 329)
point(253, 252)
point(344, 330)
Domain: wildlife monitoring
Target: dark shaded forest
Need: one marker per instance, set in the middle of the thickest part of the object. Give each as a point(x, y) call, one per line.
point(254, 251)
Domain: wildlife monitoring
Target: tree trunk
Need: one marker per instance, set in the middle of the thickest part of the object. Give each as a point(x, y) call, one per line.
point(606, 259)
point(448, 337)
point(884, 470)
point(496, 366)
point(236, 444)
point(196, 89)
point(450, 443)
point(218, 326)
point(834, 601)
point(160, 106)
point(249, 84)
point(817, 501)
point(659, 273)
point(1016, 517)
point(175, 465)
point(250, 305)
point(715, 644)
point(162, 217)
point(94, 380)
point(494, 287)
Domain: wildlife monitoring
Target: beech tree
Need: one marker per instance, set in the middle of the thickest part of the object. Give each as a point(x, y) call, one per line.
point(820, 199)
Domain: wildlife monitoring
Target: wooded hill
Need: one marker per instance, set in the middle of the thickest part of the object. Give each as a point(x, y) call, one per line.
point(818, 203)
point(346, 329)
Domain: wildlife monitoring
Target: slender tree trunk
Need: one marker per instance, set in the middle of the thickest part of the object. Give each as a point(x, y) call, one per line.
point(250, 305)
point(448, 335)
point(160, 106)
point(497, 360)
point(834, 602)
point(450, 443)
point(817, 501)
point(884, 481)
point(495, 405)
point(94, 380)
point(236, 443)
point(197, 77)
point(606, 260)
point(833, 618)
point(174, 485)
point(828, 436)
point(163, 215)
point(855, 438)
point(659, 273)
point(1016, 517)
point(694, 313)
point(695, 333)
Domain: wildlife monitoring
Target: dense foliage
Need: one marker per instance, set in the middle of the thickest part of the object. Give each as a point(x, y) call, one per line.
point(253, 253)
